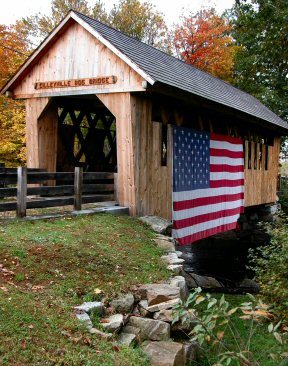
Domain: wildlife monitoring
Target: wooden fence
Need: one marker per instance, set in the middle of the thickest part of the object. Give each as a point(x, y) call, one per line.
point(59, 189)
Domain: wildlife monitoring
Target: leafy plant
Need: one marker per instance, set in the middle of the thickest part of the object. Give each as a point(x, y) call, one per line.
point(270, 266)
point(216, 328)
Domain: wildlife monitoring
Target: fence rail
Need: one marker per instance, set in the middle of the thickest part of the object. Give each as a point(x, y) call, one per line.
point(73, 188)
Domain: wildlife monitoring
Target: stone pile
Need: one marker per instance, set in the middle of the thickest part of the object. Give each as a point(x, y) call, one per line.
point(145, 316)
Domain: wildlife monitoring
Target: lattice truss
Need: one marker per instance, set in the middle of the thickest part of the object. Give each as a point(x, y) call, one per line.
point(87, 139)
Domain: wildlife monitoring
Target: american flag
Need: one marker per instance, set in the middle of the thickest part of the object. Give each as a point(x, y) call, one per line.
point(208, 184)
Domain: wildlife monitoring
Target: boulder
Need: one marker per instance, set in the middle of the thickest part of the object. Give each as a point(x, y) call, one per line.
point(151, 329)
point(130, 329)
point(156, 293)
point(247, 285)
point(175, 268)
point(161, 226)
point(172, 259)
point(205, 281)
point(187, 326)
point(91, 307)
point(165, 237)
point(190, 282)
point(100, 334)
point(165, 245)
point(143, 308)
point(165, 353)
point(127, 339)
point(123, 304)
point(113, 323)
point(179, 281)
point(85, 318)
point(164, 315)
point(191, 352)
point(163, 305)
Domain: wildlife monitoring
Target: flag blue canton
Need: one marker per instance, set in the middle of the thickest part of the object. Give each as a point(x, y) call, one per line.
point(191, 164)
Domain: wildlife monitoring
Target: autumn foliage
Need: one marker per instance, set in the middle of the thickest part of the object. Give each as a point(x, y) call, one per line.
point(204, 40)
point(13, 51)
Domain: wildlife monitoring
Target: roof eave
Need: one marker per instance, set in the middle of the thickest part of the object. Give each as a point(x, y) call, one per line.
point(71, 15)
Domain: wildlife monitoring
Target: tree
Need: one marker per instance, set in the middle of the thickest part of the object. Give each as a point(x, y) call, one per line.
point(141, 21)
point(260, 29)
point(204, 40)
point(40, 25)
point(13, 51)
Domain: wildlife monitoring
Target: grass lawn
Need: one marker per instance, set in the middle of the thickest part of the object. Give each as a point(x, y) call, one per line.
point(47, 267)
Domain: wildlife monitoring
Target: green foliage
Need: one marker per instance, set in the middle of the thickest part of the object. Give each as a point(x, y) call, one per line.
point(12, 132)
point(217, 329)
point(261, 67)
point(141, 21)
point(270, 266)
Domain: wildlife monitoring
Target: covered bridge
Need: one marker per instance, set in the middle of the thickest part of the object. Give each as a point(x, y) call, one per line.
point(100, 99)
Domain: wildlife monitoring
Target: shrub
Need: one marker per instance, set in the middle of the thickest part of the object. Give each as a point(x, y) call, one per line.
point(270, 265)
point(225, 340)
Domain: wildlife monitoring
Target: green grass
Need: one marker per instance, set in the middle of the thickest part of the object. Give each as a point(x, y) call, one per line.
point(53, 265)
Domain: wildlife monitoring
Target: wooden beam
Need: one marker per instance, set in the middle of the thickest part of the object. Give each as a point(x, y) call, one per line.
point(78, 183)
point(21, 192)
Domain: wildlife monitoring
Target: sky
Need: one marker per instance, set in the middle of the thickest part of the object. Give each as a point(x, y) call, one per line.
point(13, 10)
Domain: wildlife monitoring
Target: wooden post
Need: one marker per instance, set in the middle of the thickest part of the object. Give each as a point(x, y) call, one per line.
point(116, 187)
point(21, 191)
point(78, 183)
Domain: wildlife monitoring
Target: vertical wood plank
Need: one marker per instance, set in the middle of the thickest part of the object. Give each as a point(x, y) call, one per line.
point(78, 184)
point(116, 187)
point(21, 191)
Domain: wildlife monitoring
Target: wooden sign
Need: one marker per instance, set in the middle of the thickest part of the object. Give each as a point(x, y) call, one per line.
point(99, 80)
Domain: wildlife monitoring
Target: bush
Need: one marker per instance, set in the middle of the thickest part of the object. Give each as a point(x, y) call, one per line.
point(270, 265)
point(233, 335)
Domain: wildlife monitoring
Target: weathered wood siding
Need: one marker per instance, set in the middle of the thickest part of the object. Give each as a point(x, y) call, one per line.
point(77, 54)
point(153, 182)
point(261, 183)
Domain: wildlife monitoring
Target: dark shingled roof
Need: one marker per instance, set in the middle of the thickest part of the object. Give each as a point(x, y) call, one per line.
point(171, 71)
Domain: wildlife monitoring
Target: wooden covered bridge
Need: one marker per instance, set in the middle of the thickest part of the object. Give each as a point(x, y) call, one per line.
point(100, 99)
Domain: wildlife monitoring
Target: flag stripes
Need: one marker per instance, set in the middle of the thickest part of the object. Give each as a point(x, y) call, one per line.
point(201, 212)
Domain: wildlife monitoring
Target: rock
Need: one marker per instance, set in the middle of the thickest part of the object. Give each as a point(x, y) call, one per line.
point(179, 253)
point(130, 329)
point(100, 334)
point(165, 353)
point(91, 307)
point(113, 323)
point(165, 237)
point(175, 268)
point(205, 281)
point(187, 326)
point(156, 293)
point(123, 304)
point(143, 308)
point(127, 339)
point(165, 245)
point(85, 318)
point(172, 259)
point(249, 286)
point(154, 330)
point(190, 282)
point(179, 281)
point(158, 224)
point(191, 352)
point(163, 305)
point(164, 315)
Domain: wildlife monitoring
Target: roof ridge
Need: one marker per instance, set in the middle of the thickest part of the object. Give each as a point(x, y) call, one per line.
point(166, 54)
